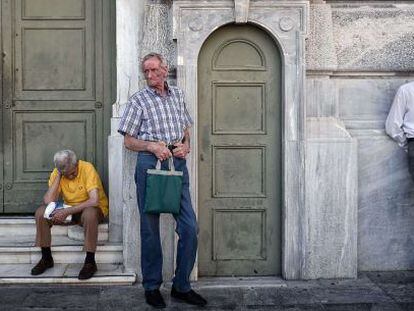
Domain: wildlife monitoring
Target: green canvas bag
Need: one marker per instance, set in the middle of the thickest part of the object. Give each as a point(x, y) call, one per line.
point(163, 190)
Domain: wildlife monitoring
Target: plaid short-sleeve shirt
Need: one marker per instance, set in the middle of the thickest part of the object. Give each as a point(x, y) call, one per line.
point(149, 116)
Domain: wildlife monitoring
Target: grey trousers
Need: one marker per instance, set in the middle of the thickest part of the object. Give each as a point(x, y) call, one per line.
point(411, 157)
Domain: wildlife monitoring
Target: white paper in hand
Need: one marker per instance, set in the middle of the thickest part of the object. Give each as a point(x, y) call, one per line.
point(52, 207)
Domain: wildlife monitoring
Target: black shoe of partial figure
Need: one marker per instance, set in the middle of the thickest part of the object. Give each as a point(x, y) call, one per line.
point(190, 297)
point(154, 298)
point(42, 266)
point(87, 271)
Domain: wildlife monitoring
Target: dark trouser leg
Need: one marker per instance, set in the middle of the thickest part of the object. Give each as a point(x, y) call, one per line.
point(151, 252)
point(187, 233)
point(411, 158)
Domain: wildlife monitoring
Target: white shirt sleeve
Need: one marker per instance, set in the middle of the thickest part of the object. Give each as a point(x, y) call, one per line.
point(395, 119)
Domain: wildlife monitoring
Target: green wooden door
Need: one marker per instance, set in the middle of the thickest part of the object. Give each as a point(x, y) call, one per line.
point(239, 117)
point(1, 113)
point(55, 91)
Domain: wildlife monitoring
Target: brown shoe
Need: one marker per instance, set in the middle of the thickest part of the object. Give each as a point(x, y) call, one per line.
point(42, 266)
point(87, 271)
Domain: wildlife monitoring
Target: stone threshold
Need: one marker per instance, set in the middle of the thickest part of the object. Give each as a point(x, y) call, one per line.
point(107, 274)
point(240, 282)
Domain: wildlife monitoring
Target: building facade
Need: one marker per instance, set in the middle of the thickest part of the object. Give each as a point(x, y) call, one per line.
point(291, 171)
point(344, 195)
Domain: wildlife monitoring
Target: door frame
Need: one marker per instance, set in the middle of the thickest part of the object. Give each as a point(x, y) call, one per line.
point(286, 23)
point(7, 77)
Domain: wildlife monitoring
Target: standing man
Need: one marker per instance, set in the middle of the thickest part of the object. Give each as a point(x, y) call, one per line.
point(400, 121)
point(155, 124)
point(78, 183)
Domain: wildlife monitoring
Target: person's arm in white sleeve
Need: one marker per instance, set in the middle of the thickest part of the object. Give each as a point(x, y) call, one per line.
point(395, 119)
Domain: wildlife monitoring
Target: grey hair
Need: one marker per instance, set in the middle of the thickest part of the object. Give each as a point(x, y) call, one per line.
point(65, 159)
point(156, 55)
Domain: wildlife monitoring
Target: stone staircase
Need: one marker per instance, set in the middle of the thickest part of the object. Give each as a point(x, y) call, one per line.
point(18, 255)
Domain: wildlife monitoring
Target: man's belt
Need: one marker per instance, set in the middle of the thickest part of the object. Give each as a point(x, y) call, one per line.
point(171, 147)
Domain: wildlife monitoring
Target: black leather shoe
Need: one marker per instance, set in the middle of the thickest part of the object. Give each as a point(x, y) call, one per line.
point(154, 298)
point(87, 271)
point(190, 297)
point(42, 266)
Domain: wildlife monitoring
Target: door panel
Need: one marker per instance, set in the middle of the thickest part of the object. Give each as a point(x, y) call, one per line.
point(53, 9)
point(240, 153)
point(54, 92)
point(1, 111)
point(55, 58)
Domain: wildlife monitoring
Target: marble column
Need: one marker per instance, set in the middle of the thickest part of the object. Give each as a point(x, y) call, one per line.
point(124, 220)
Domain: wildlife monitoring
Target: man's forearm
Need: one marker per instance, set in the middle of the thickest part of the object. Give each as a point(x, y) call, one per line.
point(393, 127)
point(80, 207)
point(93, 201)
point(52, 194)
point(186, 139)
point(135, 144)
point(159, 149)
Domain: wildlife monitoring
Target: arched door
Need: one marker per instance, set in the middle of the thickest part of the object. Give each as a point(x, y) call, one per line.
point(239, 126)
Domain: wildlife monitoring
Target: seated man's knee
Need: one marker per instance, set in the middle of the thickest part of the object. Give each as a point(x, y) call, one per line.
point(90, 214)
point(40, 212)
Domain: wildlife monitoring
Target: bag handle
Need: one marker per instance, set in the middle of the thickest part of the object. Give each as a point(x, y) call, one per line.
point(171, 166)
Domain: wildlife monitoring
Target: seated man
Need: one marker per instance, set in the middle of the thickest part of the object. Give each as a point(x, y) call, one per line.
point(80, 187)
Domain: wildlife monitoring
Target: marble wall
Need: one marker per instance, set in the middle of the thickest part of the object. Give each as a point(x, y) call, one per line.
point(372, 55)
point(331, 201)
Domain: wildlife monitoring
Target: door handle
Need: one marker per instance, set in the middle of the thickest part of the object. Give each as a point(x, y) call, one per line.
point(9, 186)
point(1, 186)
point(201, 157)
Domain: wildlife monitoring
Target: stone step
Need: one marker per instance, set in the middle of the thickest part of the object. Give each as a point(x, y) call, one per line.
point(76, 232)
point(12, 226)
point(113, 274)
point(21, 250)
point(26, 226)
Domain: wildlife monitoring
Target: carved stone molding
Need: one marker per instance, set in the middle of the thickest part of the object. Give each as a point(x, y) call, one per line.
point(241, 11)
point(286, 22)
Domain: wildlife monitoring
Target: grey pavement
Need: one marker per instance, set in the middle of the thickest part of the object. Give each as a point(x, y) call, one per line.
point(371, 291)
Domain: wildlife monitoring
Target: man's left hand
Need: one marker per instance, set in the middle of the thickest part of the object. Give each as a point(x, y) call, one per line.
point(181, 150)
point(59, 216)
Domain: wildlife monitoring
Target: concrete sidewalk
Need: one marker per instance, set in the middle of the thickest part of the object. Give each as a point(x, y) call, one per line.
point(371, 291)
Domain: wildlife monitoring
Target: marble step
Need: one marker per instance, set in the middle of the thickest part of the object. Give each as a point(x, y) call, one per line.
point(26, 226)
point(20, 250)
point(76, 232)
point(113, 274)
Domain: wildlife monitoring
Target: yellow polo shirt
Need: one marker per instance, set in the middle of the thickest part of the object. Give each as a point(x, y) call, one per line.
point(76, 191)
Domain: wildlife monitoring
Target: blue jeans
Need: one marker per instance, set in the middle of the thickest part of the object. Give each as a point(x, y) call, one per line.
point(186, 228)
